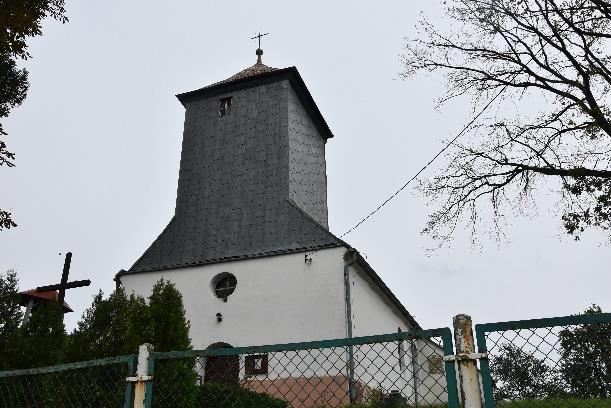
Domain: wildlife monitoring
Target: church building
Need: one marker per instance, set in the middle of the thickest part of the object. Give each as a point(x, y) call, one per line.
point(249, 245)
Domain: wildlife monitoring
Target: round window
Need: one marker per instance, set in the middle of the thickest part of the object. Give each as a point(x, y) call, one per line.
point(224, 285)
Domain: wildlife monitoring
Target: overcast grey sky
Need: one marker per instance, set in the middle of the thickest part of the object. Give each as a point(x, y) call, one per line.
point(98, 146)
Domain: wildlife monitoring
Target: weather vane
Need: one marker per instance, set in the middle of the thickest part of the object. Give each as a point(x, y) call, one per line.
point(258, 36)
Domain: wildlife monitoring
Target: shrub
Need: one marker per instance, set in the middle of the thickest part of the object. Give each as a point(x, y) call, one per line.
point(214, 395)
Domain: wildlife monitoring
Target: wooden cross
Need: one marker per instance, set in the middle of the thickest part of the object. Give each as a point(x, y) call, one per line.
point(259, 37)
point(64, 284)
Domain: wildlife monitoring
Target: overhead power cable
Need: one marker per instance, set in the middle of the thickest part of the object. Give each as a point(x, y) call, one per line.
point(415, 176)
point(408, 182)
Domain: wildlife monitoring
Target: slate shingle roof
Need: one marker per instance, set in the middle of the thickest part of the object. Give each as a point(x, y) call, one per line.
point(181, 245)
point(257, 69)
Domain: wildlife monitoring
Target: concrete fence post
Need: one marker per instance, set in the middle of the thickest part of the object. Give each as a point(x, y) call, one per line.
point(466, 362)
point(142, 375)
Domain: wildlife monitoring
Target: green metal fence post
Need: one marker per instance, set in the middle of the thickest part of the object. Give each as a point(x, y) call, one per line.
point(450, 368)
point(480, 336)
point(128, 399)
point(148, 401)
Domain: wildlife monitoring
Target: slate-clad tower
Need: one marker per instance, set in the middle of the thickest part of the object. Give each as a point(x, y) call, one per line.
point(251, 201)
point(252, 178)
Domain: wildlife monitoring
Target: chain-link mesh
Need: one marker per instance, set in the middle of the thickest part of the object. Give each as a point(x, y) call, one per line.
point(403, 373)
point(97, 386)
point(566, 366)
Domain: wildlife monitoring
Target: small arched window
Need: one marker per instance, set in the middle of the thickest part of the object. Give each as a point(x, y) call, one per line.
point(224, 285)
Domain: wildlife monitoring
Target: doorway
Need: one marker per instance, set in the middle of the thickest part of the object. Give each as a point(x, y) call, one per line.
point(222, 369)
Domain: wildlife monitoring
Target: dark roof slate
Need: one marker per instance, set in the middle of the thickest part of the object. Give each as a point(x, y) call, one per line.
point(257, 69)
point(180, 246)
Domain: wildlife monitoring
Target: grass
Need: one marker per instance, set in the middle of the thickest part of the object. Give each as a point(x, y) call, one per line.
point(547, 403)
point(557, 403)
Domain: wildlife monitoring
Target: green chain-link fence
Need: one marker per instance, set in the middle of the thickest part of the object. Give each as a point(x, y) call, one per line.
point(562, 362)
point(97, 383)
point(394, 370)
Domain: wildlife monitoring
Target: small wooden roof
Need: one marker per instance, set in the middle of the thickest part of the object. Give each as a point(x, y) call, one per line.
point(24, 297)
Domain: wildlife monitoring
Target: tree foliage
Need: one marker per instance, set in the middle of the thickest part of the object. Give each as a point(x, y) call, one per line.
point(118, 324)
point(112, 326)
point(586, 358)
point(43, 338)
point(22, 19)
point(19, 20)
point(109, 327)
point(553, 54)
point(168, 324)
point(10, 319)
point(519, 375)
point(582, 371)
point(169, 331)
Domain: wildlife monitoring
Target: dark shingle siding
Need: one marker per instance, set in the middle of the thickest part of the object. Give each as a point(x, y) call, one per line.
point(234, 182)
point(307, 166)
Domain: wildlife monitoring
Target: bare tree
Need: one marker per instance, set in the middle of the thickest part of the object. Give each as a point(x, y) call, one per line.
point(553, 52)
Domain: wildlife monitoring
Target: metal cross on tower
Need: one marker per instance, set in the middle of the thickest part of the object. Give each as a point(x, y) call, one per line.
point(64, 284)
point(258, 36)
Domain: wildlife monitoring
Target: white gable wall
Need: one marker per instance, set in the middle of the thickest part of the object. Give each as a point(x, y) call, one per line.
point(278, 299)
point(373, 313)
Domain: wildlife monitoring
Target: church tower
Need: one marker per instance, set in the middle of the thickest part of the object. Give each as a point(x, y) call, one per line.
point(248, 246)
point(252, 178)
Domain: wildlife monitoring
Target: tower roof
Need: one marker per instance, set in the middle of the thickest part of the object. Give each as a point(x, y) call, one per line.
point(257, 69)
point(258, 74)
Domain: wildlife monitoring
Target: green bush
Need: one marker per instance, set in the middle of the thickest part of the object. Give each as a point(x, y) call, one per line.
point(214, 395)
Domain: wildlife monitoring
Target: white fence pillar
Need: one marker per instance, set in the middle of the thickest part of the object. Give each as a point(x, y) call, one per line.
point(142, 375)
point(466, 361)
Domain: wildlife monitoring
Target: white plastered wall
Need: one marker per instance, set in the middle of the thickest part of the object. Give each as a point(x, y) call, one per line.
point(281, 299)
point(373, 313)
point(278, 299)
